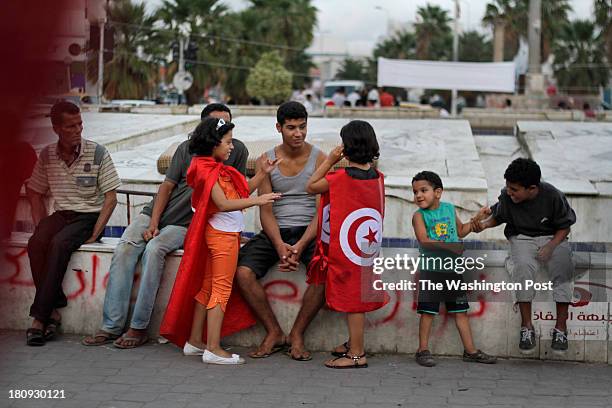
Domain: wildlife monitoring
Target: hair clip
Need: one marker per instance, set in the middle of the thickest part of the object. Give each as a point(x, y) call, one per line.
point(220, 123)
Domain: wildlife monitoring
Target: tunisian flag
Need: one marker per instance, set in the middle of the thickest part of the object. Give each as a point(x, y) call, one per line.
point(349, 238)
point(202, 175)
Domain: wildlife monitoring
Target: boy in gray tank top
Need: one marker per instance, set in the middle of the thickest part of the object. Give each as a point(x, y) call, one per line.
point(289, 229)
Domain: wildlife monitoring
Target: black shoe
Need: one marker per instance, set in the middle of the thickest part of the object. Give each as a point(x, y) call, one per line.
point(479, 357)
point(559, 341)
point(425, 358)
point(527, 343)
point(35, 337)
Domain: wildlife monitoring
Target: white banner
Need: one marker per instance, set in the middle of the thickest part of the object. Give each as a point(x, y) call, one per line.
point(463, 76)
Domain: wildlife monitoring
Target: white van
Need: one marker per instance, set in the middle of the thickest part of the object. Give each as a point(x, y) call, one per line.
point(349, 86)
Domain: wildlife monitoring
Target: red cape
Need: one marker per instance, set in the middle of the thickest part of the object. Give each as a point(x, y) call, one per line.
point(345, 251)
point(202, 175)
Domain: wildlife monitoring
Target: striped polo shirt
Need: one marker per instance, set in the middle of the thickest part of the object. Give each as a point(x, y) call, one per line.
point(80, 187)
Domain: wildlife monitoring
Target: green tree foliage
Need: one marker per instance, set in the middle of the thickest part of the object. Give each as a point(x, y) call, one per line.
point(434, 39)
point(401, 45)
point(475, 47)
point(207, 22)
point(129, 75)
point(603, 18)
point(352, 68)
point(289, 24)
point(579, 64)
point(269, 81)
point(515, 15)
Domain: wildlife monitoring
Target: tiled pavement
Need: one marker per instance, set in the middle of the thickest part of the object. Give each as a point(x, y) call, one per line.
point(158, 376)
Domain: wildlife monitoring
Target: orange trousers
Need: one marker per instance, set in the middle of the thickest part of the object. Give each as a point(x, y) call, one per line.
point(220, 267)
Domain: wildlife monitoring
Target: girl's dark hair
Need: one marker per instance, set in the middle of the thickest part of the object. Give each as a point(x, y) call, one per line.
point(360, 144)
point(206, 136)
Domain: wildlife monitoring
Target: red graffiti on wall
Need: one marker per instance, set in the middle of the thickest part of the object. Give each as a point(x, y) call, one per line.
point(15, 279)
point(22, 277)
point(273, 292)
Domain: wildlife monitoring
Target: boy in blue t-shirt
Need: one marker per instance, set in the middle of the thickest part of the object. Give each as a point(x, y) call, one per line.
point(438, 229)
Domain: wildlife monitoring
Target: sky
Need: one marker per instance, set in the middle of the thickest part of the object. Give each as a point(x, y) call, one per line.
point(359, 24)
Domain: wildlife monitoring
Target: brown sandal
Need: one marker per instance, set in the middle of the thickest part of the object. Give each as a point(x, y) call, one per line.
point(355, 362)
point(99, 339)
point(138, 341)
point(346, 346)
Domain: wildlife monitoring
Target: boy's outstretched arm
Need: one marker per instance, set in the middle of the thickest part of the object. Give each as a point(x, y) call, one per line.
point(462, 229)
point(483, 220)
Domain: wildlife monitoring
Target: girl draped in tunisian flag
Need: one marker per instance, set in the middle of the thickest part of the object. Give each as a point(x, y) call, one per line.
point(351, 214)
point(204, 280)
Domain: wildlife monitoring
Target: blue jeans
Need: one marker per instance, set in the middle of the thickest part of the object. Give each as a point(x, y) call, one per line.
point(130, 249)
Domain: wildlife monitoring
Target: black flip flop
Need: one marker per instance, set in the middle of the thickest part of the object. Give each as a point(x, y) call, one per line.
point(288, 353)
point(35, 337)
point(273, 350)
point(51, 329)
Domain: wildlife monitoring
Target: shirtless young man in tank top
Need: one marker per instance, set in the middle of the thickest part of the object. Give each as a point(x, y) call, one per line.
point(289, 229)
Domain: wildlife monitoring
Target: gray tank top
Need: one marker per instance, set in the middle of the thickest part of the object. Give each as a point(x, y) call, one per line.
point(296, 208)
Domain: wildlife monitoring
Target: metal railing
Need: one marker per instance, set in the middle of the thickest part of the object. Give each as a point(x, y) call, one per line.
point(135, 193)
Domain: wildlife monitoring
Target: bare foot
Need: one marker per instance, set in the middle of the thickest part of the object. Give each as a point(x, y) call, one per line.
point(132, 338)
point(37, 324)
point(341, 349)
point(197, 343)
point(297, 350)
point(271, 344)
point(56, 316)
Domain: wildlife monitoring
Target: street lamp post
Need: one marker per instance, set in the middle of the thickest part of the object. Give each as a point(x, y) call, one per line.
point(455, 55)
point(100, 92)
point(388, 18)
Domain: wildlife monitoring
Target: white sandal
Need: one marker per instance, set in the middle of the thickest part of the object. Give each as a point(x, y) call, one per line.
point(211, 358)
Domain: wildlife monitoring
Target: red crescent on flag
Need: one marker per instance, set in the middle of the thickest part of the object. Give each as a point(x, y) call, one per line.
point(352, 236)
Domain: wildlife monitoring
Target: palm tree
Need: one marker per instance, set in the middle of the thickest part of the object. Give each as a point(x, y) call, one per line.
point(351, 68)
point(130, 74)
point(603, 18)
point(579, 64)
point(474, 47)
point(288, 24)
point(514, 15)
point(402, 45)
point(208, 24)
point(554, 17)
point(433, 33)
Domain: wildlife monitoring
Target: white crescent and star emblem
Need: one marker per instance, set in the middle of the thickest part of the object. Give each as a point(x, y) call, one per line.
point(325, 225)
point(361, 236)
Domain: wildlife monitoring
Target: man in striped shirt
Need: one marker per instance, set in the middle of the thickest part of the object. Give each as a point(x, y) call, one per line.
point(80, 177)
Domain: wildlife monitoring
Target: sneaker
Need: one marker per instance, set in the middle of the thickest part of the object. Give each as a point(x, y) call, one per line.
point(527, 343)
point(559, 341)
point(479, 357)
point(425, 358)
